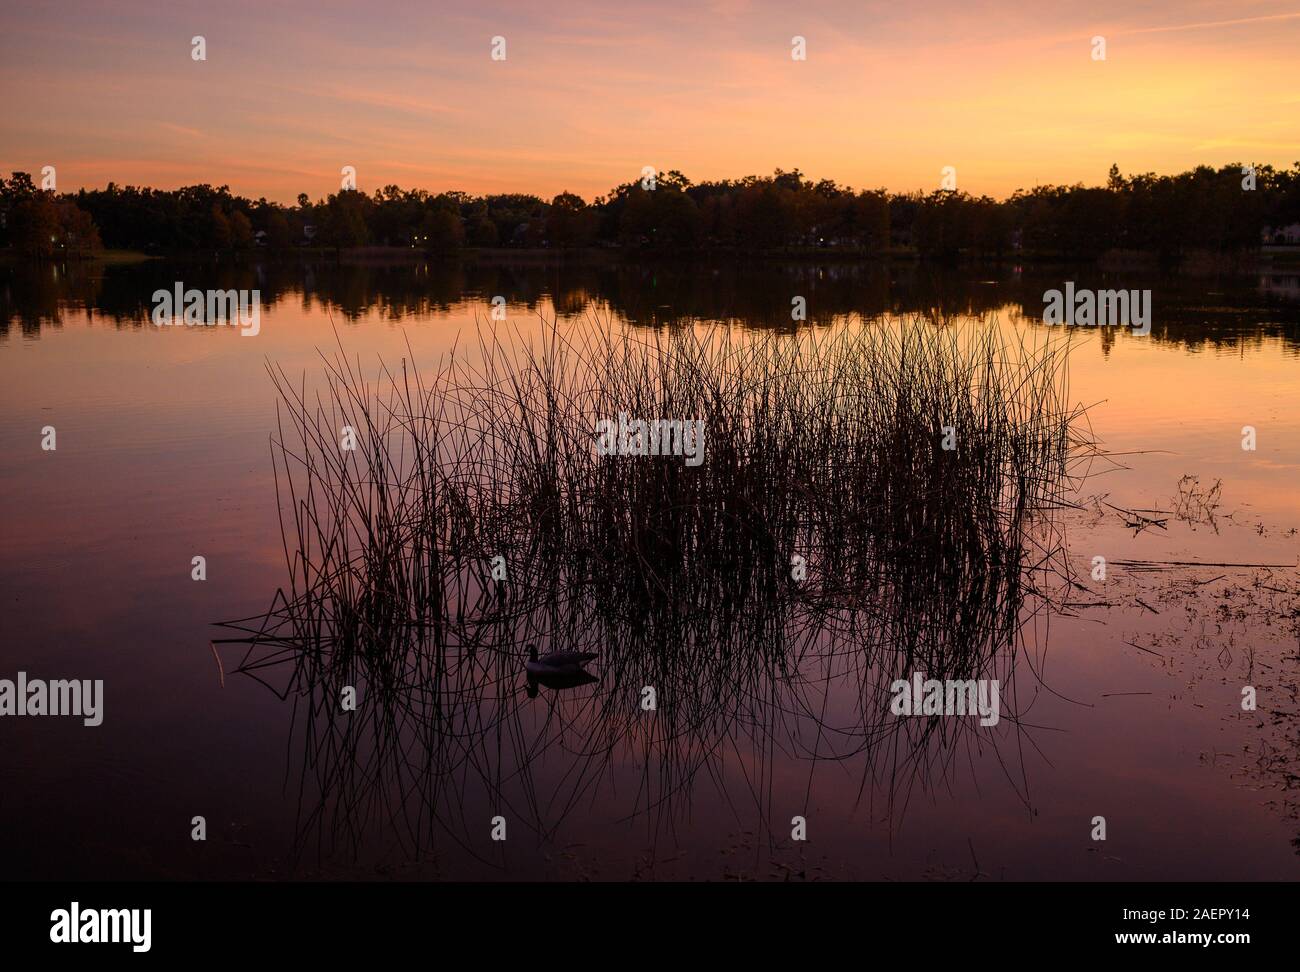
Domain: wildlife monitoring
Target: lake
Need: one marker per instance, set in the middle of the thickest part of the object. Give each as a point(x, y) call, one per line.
point(1129, 695)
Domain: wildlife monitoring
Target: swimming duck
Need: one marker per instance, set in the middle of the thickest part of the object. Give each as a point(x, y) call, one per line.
point(557, 662)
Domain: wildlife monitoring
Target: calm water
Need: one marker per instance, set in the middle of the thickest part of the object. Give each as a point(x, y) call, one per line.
point(163, 453)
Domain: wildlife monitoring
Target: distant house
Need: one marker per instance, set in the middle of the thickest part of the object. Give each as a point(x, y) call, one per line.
point(259, 238)
point(308, 233)
point(1281, 235)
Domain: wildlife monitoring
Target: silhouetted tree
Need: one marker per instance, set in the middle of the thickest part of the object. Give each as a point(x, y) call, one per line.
point(1204, 209)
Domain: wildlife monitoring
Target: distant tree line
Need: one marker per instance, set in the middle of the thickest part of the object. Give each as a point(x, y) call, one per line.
point(38, 223)
point(1203, 209)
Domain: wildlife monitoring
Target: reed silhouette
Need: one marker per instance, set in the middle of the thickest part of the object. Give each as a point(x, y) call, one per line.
point(828, 545)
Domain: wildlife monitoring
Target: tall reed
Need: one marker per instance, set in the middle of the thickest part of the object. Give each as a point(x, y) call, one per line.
point(910, 468)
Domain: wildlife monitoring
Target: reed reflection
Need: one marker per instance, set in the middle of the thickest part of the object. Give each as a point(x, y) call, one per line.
point(750, 611)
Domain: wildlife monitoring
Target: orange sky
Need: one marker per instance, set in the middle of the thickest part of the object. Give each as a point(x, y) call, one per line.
point(592, 91)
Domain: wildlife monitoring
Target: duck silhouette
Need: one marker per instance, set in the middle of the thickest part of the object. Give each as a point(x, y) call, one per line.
point(557, 662)
point(557, 670)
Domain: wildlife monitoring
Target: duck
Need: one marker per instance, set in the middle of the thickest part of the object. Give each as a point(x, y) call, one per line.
point(557, 662)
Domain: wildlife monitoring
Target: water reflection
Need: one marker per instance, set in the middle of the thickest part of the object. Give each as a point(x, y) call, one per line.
point(172, 434)
point(1220, 312)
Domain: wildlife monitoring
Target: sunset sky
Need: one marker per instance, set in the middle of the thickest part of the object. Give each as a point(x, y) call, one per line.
point(592, 91)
